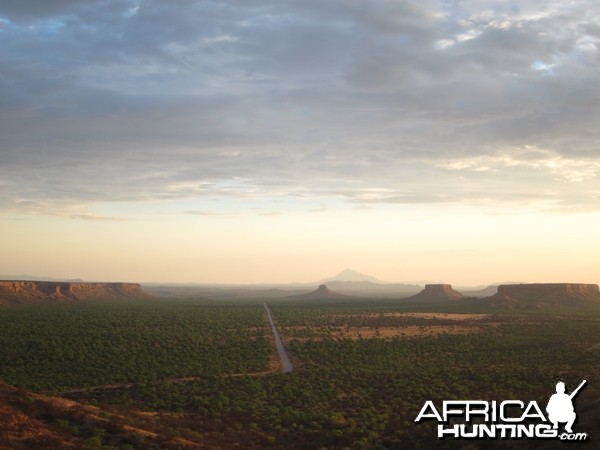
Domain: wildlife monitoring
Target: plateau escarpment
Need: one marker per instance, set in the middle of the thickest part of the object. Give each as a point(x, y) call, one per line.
point(545, 293)
point(437, 293)
point(21, 292)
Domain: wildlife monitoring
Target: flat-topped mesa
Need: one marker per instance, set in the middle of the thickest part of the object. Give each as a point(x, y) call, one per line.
point(546, 293)
point(437, 293)
point(16, 291)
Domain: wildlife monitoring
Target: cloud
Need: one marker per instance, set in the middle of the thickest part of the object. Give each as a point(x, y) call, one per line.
point(150, 101)
point(31, 10)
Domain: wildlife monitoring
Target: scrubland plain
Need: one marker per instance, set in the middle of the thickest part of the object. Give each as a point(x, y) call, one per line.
point(199, 374)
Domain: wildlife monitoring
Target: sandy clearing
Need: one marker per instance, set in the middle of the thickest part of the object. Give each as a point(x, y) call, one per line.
point(444, 316)
point(387, 332)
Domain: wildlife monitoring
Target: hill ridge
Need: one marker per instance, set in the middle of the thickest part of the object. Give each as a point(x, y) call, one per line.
point(322, 292)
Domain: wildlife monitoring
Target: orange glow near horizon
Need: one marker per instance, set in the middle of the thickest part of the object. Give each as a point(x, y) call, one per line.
point(395, 246)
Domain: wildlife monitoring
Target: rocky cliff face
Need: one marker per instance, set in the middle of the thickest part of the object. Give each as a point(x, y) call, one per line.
point(545, 293)
point(16, 292)
point(437, 293)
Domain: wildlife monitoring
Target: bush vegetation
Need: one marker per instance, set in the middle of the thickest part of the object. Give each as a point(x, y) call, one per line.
point(355, 393)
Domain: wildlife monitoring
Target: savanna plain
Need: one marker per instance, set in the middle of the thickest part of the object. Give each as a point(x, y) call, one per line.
point(205, 373)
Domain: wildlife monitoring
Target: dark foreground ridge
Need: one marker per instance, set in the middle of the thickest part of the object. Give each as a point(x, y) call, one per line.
point(21, 292)
point(31, 420)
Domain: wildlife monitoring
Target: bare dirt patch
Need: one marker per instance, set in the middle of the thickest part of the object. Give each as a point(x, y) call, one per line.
point(407, 325)
point(443, 316)
point(408, 331)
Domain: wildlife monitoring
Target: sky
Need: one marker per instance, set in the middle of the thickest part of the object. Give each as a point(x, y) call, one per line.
point(249, 141)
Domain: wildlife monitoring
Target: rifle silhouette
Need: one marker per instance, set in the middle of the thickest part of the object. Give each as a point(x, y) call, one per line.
point(574, 393)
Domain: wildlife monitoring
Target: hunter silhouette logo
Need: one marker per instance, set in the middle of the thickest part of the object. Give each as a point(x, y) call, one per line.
point(509, 419)
point(560, 407)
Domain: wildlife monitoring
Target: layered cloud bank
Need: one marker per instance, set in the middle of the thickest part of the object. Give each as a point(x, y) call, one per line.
point(353, 101)
point(209, 110)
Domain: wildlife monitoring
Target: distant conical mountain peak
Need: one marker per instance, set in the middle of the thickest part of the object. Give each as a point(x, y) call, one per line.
point(351, 275)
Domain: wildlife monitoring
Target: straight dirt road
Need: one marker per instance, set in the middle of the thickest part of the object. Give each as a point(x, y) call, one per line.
point(286, 365)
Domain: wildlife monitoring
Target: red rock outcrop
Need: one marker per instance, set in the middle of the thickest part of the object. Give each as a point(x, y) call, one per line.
point(30, 420)
point(17, 292)
point(437, 293)
point(545, 293)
